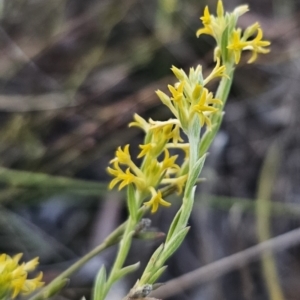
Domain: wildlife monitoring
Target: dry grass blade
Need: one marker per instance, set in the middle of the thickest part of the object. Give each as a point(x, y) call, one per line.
point(263, 214)
point(227, 264)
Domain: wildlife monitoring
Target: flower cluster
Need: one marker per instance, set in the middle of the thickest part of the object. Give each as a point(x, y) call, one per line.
point(158, 166)
point(198, 114)
point(193, 106)
point(13, 276)
point(189, 98)
point(230, 39)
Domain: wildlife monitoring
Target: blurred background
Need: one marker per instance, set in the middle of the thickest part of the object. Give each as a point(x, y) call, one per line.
point(73, 72)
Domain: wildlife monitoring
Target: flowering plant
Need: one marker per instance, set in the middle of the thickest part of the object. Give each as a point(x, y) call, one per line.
point(197, 116)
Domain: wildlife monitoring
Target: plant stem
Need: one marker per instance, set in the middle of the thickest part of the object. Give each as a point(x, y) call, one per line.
point(122, 253)
point(124, 247)
point(225, 85)
point(51, 288)
point(221, 94)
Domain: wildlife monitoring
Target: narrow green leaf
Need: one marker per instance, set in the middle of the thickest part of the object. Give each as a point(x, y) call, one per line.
point(126, 270)
point(154, 258)
point(131, 202)
point(173, 245)
point(188, 203)
point(100, 282)
point(209, 136)
point(194, 174)
point(146, 276)
point(157, 274)
point(173, 225)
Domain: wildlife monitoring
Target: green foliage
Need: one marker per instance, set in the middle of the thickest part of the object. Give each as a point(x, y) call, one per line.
point(99, 286)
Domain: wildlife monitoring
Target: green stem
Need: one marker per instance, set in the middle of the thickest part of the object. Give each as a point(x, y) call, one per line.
point(188, 199)
point(221, 94)
point(225, 85)
point(53, 287)
point(124, 247)
point(122, 253)
point(199, 147)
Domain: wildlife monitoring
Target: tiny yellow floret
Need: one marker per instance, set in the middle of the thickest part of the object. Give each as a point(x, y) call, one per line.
point(145, 149)
point(237, 45)
point(206, 19)
point(156, 200)
point(257, 46)
point(124, 178)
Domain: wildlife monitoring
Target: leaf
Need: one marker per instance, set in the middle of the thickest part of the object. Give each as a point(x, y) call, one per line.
point(194, 174)
point(209, 135)
point(152, 262)
point(173, 245)
point(99, 289)
point(188, 203)
point(157, 274)
point(126, 270)
point(173, 225)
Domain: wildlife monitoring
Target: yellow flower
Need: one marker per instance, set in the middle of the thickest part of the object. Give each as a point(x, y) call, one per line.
point(179, 73)
point(13, 276)
point(218, 71)
point(124, 178)
point(189, 97)
point(257, 46)
point(166, 100)
point(204, 108)
point(31, 284)
point(123, 156)
point(179, 182)
point(169, 162)
point(206, 19)
point(169, 129)
point(237, 45)
point(156, 200)
point(152, 169)
point(177, 93)
point(31, 265)
point(140, 122)
point(213, 26)
point(145, 149)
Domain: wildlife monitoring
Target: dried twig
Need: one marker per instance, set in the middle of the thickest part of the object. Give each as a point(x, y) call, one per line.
point(227, 264)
